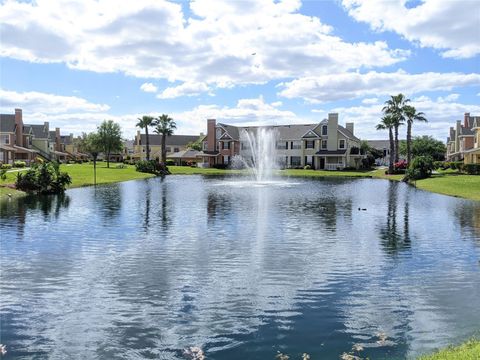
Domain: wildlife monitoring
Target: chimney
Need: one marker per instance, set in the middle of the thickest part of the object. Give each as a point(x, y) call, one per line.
point(211, 134)
point(18, 127)
point(71, 138)
point(457, 134)
point(46, 126)
point(57, 139)
point(466, 120)
point(349, 127)
point(137, 138)
point(332, 131)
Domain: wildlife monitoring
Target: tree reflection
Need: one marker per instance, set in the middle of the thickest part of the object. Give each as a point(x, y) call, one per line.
point(164, 207)
point(393, 240)
point(109, 200)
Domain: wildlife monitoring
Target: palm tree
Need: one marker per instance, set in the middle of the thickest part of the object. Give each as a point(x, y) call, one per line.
point(165, 126)
point(143, 123)
point(388, 122)
point(395, 107)
point(412, 115)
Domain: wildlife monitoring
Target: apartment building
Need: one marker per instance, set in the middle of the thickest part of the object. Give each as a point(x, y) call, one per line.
point(464, 139)
point(15, 139)
point(326, 145)
point(174, 144)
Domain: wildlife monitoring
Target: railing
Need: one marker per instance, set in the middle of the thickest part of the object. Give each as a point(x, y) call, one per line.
point(334, 166)
point(42, 153)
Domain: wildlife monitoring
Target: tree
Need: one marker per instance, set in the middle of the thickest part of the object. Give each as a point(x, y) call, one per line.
point(411, 115)
point(143, 123)
point(165, 127)
point(92, 145)
point(395, 107)
point(195, 145)
point(388, 122)
point(428, 146)
point(110, 137)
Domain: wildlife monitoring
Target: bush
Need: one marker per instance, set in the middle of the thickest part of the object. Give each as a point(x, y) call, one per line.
point(43, 178)
point(456, 165)
point(146, 166)
point(220, 166)
point(121, 166)
point(401, 165)
point(6, 166)
point(472, 169)
point(307, 167)
point(170, 163)
point(441, 165)
point(420, 168)
point(19, 164)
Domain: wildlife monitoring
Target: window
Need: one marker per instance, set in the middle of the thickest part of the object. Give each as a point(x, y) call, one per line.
point(226, 159)
point(324, 130)
point(295, 160)
point(309, 160)
point(295, 145)
point(282, 145)
point(176, 149)
point(324, 144)
point(309, 144)
point(5, 139)
point(168, 149)
point(225, 144)
point(341, 144)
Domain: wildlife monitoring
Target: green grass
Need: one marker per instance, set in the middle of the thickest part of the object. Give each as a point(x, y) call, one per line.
point(188, 170)
point(469, 350)
point(454, 184)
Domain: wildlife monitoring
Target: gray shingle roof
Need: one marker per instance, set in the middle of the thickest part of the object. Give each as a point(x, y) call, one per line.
point(7, 123)
point(52, 135)
point(39, 131)
point(331, 152)
point(180, 140)
point(379, 144)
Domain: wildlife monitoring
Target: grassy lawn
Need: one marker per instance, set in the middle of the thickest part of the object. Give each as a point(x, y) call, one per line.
point(325, 173)
point(454, 184)
point(188, 170)
point(467, 351)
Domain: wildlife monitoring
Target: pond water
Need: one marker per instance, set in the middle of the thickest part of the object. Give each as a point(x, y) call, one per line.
point(145, 269)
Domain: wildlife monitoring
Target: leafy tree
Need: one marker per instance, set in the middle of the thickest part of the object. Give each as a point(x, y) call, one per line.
point(111, 138)
point(388, 122)
point(92, 144)
point(395, 107)
point(143, 123)
point(165, 127)
point(195, 145)
point(426, 146)
point(420, 168)
point(411, 115)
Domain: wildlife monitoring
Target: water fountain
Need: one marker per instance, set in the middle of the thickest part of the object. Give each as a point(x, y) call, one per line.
point(258, 153)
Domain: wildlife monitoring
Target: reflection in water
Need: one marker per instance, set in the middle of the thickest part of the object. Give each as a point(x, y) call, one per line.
point(392, 239)
point(240, 272)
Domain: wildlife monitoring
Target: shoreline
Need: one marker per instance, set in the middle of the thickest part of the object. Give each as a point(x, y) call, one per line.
point(447, 183)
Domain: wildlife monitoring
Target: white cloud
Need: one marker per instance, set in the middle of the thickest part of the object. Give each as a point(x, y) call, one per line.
point(48, 103)
point(370, 101)
point(451, 26)
point(441, 115)
point(185, 89)
point(148, 87)
point(224, 43)
point(350, 85)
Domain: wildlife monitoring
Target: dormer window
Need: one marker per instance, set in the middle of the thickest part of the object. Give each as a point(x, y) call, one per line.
point(324, 130)
point(341, 144)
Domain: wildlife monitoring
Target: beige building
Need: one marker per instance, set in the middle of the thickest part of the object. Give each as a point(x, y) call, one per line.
point(325, 145)
point(174, 144)
point(463, 140)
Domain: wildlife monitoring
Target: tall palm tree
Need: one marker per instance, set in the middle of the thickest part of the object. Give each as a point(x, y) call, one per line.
point(395, 107)
point(165, 127)
point(412, 115)
point(143, 123)
point(388, 122)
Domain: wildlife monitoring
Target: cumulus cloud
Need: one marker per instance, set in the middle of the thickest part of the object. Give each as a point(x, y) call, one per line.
point(333, 87)
point(451, 26)
point(370, 101)
point(148, 87)
point(224, 43)
point(185, 89)
point(441, 112)
point(44, 102)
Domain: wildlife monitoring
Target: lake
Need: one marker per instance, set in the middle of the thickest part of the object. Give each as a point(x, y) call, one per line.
point(145, 269)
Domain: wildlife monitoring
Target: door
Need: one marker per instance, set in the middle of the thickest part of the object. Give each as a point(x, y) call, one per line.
point(322, 163)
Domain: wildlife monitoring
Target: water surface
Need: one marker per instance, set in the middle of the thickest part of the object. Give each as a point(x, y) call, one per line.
point(144, 269)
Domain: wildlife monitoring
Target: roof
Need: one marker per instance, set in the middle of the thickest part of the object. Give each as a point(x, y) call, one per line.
point(7, 123)
point(347, 133)
point(231, 130)
point(65, 139)
point(39, 131)
point(379, 144)
point(331, 152)
point(180, 140)
point(52, 135)
point(465, 131)
point(189, 153)
point(27, 129)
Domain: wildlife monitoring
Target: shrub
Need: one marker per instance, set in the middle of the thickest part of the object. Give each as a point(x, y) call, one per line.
point(441, 165)
point(307, 167)
point(43, 178)
point(420, 168)
point(472, 169)
point(220, 166)
point(121, 166)
point(170, 163)
point(401, 165)
point(146, 166)
point(6, 166)
point(19, 164)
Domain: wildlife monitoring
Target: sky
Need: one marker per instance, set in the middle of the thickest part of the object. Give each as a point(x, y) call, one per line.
point(77, 63)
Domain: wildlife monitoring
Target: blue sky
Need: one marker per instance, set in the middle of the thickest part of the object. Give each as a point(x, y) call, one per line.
point(75, 63)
